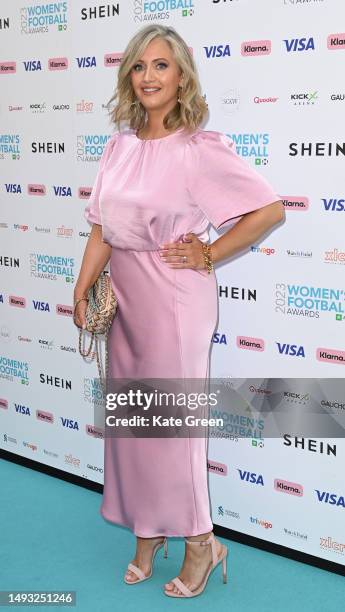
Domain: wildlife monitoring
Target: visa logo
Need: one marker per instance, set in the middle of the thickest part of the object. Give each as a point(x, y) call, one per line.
point(69, 423)
point(41, 305)
point(299, 44)
point(219, 338)
point(22, 409)
point(251, 477)
point(86, 62)
point(32, 65)
point(13, 188)
point(217, 51)
point(290, 349)
point(61, 190)
point(334, 204)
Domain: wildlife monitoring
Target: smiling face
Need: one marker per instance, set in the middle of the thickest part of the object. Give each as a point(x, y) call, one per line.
point(156, 70)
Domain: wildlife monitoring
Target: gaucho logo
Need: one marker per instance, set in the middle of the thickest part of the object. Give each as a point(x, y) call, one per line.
point(90, 146)
point(52, 267)
point(253, 146)
point(10, 146)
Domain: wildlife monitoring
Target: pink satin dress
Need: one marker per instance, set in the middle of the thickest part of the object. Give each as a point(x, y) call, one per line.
point(146, 193)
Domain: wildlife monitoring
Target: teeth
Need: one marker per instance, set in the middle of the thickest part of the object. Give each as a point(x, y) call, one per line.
point(151, 89)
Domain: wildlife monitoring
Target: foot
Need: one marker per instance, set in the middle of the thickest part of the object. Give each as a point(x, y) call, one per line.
point(196, 563)
point(143, 556)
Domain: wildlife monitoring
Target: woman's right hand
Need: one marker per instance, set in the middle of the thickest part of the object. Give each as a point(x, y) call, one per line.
point(79, 314)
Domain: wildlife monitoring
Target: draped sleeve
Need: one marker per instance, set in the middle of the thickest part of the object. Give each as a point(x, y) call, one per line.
point(92, 212)
point(220, 182)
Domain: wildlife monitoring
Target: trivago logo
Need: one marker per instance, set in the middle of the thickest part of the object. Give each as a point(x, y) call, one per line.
point(52, 267)
point(91, 146)
point(40, 18)
point(11, 369)
point(164, 9)
point(252, 146)
point(9, 146)
point(309, 301)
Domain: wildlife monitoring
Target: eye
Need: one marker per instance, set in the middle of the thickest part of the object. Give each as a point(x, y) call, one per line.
point(136, 66)
point(162, 64)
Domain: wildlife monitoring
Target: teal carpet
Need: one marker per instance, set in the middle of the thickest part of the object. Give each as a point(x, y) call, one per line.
point(53, 538)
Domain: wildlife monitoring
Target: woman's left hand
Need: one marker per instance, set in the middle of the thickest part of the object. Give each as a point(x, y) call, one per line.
point(184, 254)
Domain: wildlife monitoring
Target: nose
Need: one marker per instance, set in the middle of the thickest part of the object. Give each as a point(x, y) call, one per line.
point(147, 75)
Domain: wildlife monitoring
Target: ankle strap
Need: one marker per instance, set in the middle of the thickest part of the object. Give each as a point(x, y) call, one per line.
point(210, 540)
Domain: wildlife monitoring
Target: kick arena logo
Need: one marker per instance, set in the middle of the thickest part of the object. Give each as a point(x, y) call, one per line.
point(40, 18)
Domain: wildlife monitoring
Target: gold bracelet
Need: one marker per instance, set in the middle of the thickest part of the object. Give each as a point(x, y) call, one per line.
point(207, 257)
point(79, 300)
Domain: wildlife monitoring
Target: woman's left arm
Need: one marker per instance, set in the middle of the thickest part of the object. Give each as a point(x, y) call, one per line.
point(247, 230)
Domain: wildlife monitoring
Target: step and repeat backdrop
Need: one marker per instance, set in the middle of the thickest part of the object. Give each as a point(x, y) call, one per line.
point(270, 72)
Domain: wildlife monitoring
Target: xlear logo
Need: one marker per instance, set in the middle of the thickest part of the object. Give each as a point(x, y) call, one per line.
point(299, 44)
point(11, 369)
point(40, 18)
point(9, 146)
point(52, 267)
point(308, 301)
point(90, 147)
point(252, 146)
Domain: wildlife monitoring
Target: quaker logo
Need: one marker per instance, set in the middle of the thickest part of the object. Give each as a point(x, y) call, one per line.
point(8, 67)
point(295, 203)
point(270, 99)
point(330, 355)
point(55, 381)
point(217, 468)
point(310, 445)
point(4, 23)
point(32, 65)
point(13, 188)
point(62, 191)
point(9, 146)
point(336, 41)
point(217, 51)
point(84, 107)
point(12, 369)
point(24, 339)
point(69, 423)
point(252, 146)
point(90, 147)
point(48, 147)
point(58, 63)
point(20, 409)
point(337, 97)
point(334, 499)
point(15, 300)
point(88, 61)
point(38, 108)
point(15, 108)
point(284, 486)
point(333, 204)
point(256, 47)
point(304, 99)
point(43, 306)
point(237, 293)
point(52, 267)
point(251, 477)
point(9, 262)
point(100, 12)
point(64, 232)
point(290, 349)
point(45, 344)
point(299, 44)
point(42, 18)
point(219, 338)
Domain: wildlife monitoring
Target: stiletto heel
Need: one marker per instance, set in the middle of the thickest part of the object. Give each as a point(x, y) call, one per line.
point(225, 576)
point(216, 560)
point(138, 572)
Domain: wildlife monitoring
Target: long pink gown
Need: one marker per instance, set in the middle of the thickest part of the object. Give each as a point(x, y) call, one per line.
point(146, 193)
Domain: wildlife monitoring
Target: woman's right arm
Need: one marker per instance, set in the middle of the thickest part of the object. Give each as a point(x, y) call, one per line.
point(96, 256)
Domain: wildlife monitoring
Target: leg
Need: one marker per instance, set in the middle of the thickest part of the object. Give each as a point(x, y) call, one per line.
point(143, 556)
point(196, 562)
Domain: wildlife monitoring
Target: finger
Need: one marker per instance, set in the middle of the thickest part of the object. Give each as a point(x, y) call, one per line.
point(172, 258)
point(171, 245)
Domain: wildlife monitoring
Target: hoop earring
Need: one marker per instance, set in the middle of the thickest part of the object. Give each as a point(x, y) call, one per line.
point(178, 98)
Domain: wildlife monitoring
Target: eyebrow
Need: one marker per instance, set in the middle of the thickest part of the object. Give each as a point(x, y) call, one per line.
point(156, 60)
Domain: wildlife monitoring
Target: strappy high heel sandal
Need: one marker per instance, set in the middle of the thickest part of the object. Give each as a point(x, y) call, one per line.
point(216, 560)
point(138, 572)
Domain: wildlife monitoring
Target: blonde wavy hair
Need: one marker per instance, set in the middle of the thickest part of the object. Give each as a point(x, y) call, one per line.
point(192, 108)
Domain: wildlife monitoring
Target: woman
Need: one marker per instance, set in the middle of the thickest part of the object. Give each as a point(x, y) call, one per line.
point(159, 185)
